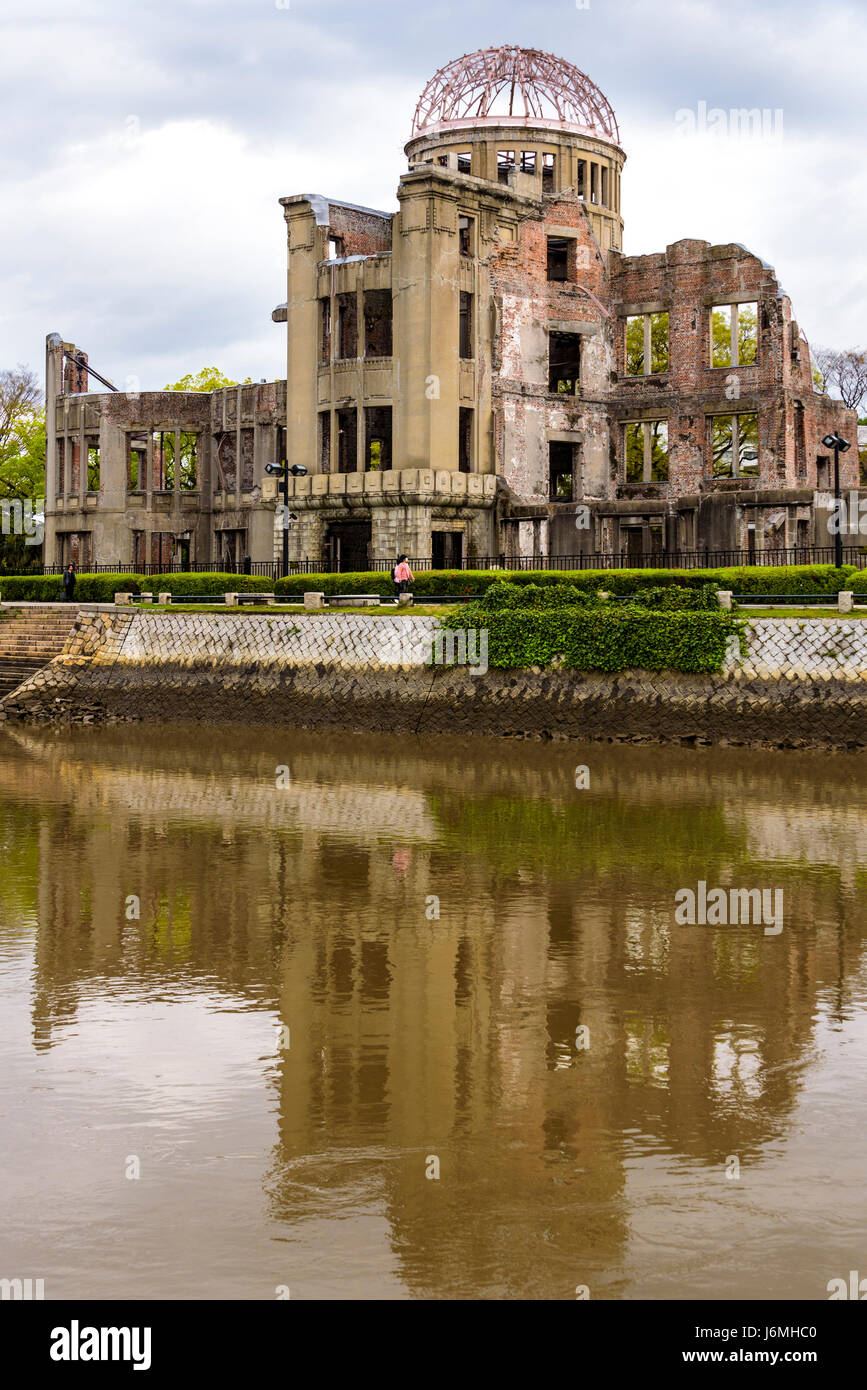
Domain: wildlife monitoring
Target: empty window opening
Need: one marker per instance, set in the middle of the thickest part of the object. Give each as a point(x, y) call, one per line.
point(377, 323)
point(561, 464)
point(505, 164)
point(231, 548)
point(800, 441)
point(377, 435)
point(60, 456)
point(465, 439)
point(335, 248)
point(528, 161)
point(187, 471)
point(92, 466)
point(634, 538)
point(227, 462)
point(136, 468)
point(325, 330)
point(446, 549)
point(548, 173)
point(594, 182)
point(803, 535)
point(443, 161)
point(823, 471)
point(347, 440)
point(581, 179)
point(347, 325)
point(734, 446)
point(325, 441)
point(464, 162)
point(224, 458)
point(466, 324)
point(734, 335)
point(604, 191)
point(647, 348)
point(646, 450)
point(558, 258)
point(467, 236)
point(189, 466)
point(164, 460)
point(564, 363)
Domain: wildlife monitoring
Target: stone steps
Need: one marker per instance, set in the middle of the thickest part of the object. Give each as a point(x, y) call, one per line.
point(30, 642)
point(14, 673)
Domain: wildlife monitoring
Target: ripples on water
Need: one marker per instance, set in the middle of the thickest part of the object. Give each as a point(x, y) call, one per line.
point(167, 912)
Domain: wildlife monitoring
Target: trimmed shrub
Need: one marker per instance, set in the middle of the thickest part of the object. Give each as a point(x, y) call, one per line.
point(213, 583)
point(89, 588)
point(674, 599)
point(603, 638)
point(857, 582)
point(101, 588)
point(377, 582)
point(743, 579)
point(746, 579)
point(502, 595)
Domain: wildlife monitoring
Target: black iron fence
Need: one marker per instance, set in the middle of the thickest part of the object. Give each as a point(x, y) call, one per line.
point(667, 559)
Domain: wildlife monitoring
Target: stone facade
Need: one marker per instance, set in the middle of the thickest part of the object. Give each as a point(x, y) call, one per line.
point(481, 375)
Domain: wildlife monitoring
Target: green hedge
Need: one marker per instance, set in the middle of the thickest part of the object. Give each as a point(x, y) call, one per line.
point(377, 582)
point(858, 582)
point(745, 579)
point(503, 595)
point(101, 588)
point(602, 639)
point(89, 588)
point(213, 583)
point(673, 598)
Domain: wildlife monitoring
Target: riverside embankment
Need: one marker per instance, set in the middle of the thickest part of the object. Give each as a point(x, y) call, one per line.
point(797, 682)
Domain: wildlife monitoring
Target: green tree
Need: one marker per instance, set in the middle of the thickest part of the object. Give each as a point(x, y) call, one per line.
point(22, 463)
point(22, 435)
point(208, 379)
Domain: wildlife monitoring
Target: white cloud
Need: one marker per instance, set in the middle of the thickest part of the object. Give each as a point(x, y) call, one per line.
point(164, 253)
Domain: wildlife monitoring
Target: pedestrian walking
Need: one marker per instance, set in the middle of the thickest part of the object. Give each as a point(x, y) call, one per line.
point(69, 583)
point(403, 575)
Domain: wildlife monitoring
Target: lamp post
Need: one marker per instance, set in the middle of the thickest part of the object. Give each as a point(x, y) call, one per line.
point(282, 470)
point(839, 445)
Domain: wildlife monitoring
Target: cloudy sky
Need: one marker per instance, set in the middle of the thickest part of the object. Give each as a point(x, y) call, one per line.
point(144, 147)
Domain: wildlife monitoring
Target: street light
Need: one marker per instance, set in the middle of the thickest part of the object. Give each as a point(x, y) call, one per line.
point(282, 471)
point(839, 445)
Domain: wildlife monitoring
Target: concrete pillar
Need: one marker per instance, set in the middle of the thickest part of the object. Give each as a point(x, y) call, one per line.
point(176, 499)
point(53, 379)
point(426, 327)
point(302, 330)
point(845, 601)
point(238, 447)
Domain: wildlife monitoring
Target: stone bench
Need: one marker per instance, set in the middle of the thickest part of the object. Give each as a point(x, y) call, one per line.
point(353, 600)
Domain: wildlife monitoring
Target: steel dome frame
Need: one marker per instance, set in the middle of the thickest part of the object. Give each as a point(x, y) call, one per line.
point(539, 86)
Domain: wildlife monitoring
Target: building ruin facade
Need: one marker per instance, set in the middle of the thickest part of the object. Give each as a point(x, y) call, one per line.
point(482, 376)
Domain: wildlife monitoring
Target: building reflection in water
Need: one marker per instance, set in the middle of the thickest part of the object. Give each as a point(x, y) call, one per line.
point(415, 1035)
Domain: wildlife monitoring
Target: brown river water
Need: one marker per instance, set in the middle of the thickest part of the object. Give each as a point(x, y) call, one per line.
point(337, 1017)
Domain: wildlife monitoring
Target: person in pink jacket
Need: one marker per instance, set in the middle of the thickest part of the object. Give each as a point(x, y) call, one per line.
point(403, 575)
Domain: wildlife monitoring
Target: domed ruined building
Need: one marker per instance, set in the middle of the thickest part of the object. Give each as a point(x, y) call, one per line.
point(480, 377)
